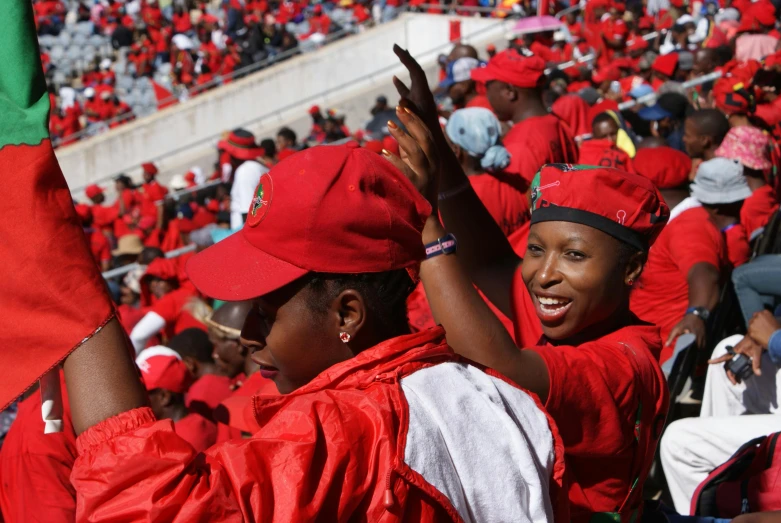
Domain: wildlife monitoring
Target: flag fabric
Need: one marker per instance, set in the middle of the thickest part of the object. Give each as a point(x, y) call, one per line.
point(52, 296)
point(163, 96)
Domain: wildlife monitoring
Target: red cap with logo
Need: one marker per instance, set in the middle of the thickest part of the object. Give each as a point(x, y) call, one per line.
point(666, 167)
point(510, 66)
point(163, 368)
point(624, 205)
point(333, 208)
point(93, 190)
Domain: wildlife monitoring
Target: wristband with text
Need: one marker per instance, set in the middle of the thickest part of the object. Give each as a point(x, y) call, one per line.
point(444, 245)
point(700, 312)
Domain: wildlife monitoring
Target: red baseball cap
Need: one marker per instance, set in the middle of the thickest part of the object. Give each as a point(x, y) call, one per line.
point(149, 168)
point(665, 64)
point(163, 368)
point(93, 190)
point(521, 70)
point(241, 144)
point(624, 205)
point(314, 110)
point(334, 208)
point(666, 167)
point(237, 410)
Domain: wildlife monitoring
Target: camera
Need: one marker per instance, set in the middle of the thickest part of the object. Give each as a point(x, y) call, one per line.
point(739, 365)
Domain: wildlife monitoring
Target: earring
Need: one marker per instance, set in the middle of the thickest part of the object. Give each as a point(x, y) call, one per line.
point(630, 282)
point(345, 337)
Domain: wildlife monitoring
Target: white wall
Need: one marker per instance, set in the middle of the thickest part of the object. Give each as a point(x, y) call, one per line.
point(268, 98)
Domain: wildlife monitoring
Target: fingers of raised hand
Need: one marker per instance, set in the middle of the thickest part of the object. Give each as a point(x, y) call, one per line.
point(419, 132)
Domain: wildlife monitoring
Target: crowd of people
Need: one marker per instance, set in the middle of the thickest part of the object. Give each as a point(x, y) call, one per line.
point(467, 310)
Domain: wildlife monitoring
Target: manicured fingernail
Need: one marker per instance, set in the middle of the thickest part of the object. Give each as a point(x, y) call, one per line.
point(392, 125)
point(406, 110)
point(386, 152)
point(398, 109)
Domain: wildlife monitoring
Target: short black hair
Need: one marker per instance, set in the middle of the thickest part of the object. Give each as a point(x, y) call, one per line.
point(193, 343)
point(711, 123)
point(288, 134)
point(603, 117)
point(150, 254)
point(385, 295)
point(270, 148)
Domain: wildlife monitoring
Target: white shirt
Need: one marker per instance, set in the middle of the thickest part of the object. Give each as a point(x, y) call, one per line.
point(245, 180)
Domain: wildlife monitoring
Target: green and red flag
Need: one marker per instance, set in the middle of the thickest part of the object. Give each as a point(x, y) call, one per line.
point(52, 296)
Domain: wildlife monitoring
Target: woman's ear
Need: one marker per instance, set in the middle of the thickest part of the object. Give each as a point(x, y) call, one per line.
point(350, 312)
point(634, 267)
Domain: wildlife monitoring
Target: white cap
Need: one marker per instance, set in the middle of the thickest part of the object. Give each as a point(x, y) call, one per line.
point(105, 64)
point(89, 92)
point(177, 182)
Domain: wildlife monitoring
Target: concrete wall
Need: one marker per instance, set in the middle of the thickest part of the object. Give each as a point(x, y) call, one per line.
point(271, 98)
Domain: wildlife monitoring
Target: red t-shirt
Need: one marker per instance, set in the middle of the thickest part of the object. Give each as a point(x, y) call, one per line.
point(206, 393)
point(537, 141)
point(98, 244)
point(129, 316)
point(104, 217)
point(738, 249)
point(196, 430)
point(604, 153)
point(35, 467)
point(597, 391)
point(661, 295)
point(758, 208)
point(171, 308)
point(506, 202)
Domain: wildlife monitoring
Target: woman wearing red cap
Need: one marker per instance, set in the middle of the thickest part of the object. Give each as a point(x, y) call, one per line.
point(590, 360)
point(374, 424)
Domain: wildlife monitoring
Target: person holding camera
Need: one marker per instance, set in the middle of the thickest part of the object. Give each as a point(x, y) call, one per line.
point(746, 383)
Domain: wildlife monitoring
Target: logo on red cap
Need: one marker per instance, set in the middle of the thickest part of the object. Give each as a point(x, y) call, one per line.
point(261, 202)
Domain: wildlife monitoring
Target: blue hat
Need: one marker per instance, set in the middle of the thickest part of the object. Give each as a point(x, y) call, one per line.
point(477, 131)
point(641, 90)
point(459, 71)
point(654, 113)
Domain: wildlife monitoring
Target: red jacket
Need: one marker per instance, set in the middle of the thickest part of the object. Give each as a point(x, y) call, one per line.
point(404, 431)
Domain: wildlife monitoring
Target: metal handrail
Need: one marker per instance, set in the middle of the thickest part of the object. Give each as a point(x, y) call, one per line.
point(281, 110)
point(686, 85)
point(119, 271)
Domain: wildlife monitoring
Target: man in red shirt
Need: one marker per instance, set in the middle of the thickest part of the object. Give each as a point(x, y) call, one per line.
point(167, 378)
point(680, 284)
point(601, 150)
point(101, 249)
point(513, 82)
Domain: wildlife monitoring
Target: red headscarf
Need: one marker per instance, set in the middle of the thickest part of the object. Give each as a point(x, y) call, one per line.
point(574, 111)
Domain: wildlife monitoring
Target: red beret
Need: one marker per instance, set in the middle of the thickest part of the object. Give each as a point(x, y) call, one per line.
point(621, 204)
point(514, 68)
point(149, 168)
point(665, 64)
point(733, 92)
point(664, 166)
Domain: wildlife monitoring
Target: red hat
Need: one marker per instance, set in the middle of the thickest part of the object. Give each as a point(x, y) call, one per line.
point(213, 206)
point(208, 19)
point(374, 146)
point(314, 110)
point(601, 107)
point(241, 144)
point(666, 167)
point(748, 22)
point(645, 22)
point(490, 48)
point(334, 208)
point(677, 3)
point(764, 13)
point(514, 68)
point(163, 368)
point(637, 44)
point(189, 176)
point(772, 61)
point(149, 168)
point(733, 92)
point(236, 411)
point(665, 64)
point(607, 73)
point(621, 204)
point(93, 190)
point(84, 211)
point(390, 144)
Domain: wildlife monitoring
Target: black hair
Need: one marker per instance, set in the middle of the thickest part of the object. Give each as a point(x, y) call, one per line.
point(723, 54)
point(603, 117)
point(288, 133)
point(269, 147)
point(193, 343)
point(385, 295)
point(711, 123)
point(149, 254)
point(625, 252)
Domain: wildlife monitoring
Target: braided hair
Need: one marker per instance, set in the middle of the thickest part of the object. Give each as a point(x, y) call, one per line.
point(385, 295)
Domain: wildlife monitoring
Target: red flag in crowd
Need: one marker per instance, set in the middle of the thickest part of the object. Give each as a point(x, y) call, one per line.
point(50, 270)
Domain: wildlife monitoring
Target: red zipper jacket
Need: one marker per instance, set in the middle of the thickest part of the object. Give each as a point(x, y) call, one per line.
point(405, 431)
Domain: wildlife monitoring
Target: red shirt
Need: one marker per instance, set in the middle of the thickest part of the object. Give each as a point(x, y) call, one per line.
point(103, 217)
point(506, 202)
point(597, 392)
point(738, 249)
point(171, 308)
point(129, 316)
point(661, 295)
point(196, 430)
point(758, 208)
point(537, 141)
point(544, 52)
point(604, 153)
point(182, 22)
point(98, 244)
point(35, 467)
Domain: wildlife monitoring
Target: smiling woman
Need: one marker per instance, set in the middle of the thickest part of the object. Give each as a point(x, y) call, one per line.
point(591, 361)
